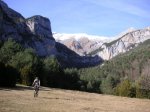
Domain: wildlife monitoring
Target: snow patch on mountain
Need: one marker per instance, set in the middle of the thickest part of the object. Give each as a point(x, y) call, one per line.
point(77, 36)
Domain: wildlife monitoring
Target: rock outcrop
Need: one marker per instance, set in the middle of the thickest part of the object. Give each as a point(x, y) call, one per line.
point(40, 26)
point(35, 32)
point(82, 44)
point(124, 43)
point(41, 29)
point(104, 48)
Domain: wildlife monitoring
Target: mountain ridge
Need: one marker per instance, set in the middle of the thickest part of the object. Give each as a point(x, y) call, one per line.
point(125, 43)
point(35, 32)
point(104, 47)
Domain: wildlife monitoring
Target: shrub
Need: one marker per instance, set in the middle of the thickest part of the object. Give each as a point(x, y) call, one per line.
point(142, 88)
point(125, 89)
point(107, 85)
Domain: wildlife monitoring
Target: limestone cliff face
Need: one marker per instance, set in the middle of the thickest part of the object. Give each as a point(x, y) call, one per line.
point(40, 26)
point(124, 43)
point(34, 32)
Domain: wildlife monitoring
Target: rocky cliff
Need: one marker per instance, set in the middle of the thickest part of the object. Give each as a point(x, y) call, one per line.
point(82, 44)
point(35, 32)
point(124, 43)
point(40, 26)
point(101, 46)
point(41, 29)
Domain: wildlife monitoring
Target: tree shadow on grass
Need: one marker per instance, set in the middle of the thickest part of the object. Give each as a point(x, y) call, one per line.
point(23, 88)
point(57, 98)
point(17, 87)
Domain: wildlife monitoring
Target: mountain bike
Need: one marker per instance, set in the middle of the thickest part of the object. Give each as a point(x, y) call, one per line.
point(36, 91)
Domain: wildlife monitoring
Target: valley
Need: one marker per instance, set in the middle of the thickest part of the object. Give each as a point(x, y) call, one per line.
point(79, 63)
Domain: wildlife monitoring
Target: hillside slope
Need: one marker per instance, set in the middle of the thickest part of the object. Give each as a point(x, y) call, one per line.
point(131, 67)
point(54, 100)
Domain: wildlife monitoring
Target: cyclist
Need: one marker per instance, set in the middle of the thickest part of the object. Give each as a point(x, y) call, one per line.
point(36, 84)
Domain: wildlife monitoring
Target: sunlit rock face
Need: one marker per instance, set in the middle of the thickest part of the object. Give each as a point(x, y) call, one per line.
point(104, 47)
point(40, 27)
point(124, 43)
point(82, 44)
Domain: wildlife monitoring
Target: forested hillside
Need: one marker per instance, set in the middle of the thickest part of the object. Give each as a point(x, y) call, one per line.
point(127, 74)
point(21, 65)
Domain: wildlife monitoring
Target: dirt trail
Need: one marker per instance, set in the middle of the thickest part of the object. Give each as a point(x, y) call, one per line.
point(56, 100)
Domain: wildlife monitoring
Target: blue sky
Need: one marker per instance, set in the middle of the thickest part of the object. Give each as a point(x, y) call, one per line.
point(94, 17)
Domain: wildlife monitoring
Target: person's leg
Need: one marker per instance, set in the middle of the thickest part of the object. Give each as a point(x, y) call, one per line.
point(35, 91)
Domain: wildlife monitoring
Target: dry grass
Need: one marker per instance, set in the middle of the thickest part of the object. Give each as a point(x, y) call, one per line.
point(53, 100)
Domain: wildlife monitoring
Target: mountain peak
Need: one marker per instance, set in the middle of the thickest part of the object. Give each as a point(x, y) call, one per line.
point(39, 25)
point(130, 29)
point(81, 43)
